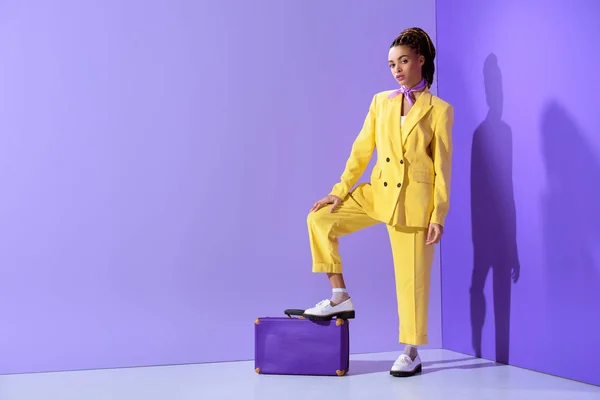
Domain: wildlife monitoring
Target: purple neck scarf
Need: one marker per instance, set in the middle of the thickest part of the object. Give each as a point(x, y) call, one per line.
point(408, 91)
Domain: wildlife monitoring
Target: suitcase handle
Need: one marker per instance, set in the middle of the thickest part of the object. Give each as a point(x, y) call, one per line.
point(291, 312)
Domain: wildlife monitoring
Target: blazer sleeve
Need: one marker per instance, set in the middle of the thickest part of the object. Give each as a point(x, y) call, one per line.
point(360, 154)
point(441, 149)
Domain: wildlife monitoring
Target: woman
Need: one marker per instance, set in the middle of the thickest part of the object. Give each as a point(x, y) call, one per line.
point(408, 191)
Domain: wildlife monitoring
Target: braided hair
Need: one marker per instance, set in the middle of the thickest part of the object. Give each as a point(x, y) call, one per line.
point(418, 40)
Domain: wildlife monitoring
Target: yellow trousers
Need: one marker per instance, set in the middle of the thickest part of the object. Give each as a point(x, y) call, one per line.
point(412, 257)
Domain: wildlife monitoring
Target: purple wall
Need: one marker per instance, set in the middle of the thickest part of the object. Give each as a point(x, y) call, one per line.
point(522, 78)
point(159, 159)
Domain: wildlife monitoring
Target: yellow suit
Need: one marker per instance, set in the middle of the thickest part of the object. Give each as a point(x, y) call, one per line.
point(409, 189)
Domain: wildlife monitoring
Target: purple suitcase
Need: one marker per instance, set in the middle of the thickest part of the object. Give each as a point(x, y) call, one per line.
point(298, 346)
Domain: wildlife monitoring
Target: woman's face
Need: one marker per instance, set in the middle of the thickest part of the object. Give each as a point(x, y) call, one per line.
point(405, 65)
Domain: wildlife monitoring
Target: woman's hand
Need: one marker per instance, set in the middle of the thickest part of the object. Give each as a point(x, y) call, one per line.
point(435, 233)
point(330, 199)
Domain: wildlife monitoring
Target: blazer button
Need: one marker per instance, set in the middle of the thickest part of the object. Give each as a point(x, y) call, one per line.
point(384, 183)
point(399, 184)
point(401, 161)
point(387, 159)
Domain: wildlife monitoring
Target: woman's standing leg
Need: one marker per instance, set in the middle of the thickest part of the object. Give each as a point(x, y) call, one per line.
point(412, 266)
point(324, 230)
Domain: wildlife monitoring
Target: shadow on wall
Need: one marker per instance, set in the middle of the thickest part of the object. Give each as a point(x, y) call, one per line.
point(571, 241)
point(493, 217)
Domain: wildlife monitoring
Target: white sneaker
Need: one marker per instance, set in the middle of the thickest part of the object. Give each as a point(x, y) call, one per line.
point(404, 366)
point(324, 310)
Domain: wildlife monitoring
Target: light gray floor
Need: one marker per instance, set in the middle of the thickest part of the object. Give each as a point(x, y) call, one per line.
point(446, 375)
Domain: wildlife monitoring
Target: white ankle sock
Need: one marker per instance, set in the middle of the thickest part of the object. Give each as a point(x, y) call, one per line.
point(411, 351)
point(339, 295)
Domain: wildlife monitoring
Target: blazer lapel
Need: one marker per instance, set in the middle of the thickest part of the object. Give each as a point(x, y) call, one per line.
point(418, 111)
point(393, 121)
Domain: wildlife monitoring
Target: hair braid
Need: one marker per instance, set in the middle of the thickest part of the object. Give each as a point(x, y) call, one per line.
point(419, 40)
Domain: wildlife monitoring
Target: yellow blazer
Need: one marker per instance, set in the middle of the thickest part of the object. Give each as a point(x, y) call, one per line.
point(410, 183)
